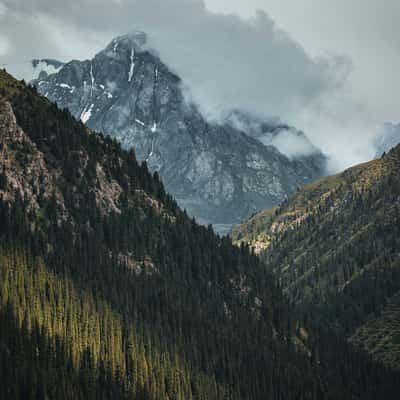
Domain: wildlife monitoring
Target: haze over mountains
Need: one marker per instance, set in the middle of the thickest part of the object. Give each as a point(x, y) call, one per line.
point(220, 172)
point(388, 138)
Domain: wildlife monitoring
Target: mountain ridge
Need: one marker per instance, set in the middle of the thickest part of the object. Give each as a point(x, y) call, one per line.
point(334, 248)
point(218, 173)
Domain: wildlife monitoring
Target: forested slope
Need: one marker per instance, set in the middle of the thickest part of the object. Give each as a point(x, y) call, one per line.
point(335, 248)
point(108, 290)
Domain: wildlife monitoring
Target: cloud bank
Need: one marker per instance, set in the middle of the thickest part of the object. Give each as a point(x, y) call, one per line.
point(291, 144)
point(387, 138)
point(228, 62)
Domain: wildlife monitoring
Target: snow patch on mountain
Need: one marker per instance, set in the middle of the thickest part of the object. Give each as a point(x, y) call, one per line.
point(220, 172)
point(132, 66)
point(87, 114)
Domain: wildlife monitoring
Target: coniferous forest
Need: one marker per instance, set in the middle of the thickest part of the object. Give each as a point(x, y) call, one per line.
point(334, 247)
point(109, 291)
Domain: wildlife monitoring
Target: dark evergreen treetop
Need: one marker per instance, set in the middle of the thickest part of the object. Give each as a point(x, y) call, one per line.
point(334, 246)
point(109, 291)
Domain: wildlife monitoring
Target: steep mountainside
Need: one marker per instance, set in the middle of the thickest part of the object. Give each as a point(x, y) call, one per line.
point(108, 290)
point(380, 334)
point(217, 172)
point(335, 247)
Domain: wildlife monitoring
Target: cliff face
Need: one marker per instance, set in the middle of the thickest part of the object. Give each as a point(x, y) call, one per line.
point(35, 172)
point(24, 174)
point(221, 173)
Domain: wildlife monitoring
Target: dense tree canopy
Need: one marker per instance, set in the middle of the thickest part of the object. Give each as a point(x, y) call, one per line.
point(108, 290)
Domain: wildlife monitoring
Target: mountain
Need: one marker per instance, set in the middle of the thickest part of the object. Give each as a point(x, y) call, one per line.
point(388, 138)
point(44, 67)
point(33, 69)
point(334, 246)
point(217, 172)
point(108, 290)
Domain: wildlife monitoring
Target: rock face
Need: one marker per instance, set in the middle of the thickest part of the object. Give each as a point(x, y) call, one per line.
point(24, 177)
point(220, 173)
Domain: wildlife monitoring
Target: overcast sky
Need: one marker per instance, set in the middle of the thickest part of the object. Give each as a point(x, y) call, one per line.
point(328, 67)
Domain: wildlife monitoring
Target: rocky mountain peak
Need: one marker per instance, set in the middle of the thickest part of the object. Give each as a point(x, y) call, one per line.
point(135, 41)
point(220, 173)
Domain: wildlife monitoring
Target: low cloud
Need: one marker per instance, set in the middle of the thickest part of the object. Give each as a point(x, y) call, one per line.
point(387, 138)
point(228, 62)
point(291, 144)
point(26, 38)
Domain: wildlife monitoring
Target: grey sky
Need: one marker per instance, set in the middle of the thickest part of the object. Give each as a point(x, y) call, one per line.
point(328, 67)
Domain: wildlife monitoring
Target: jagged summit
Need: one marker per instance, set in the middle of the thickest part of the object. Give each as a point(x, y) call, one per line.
point(135, 39)
point(221, 174)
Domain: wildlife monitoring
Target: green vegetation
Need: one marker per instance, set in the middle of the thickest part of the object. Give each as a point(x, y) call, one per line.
point(109, 291)
point(335, 248)
point(255, 229)
point(380, 334)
